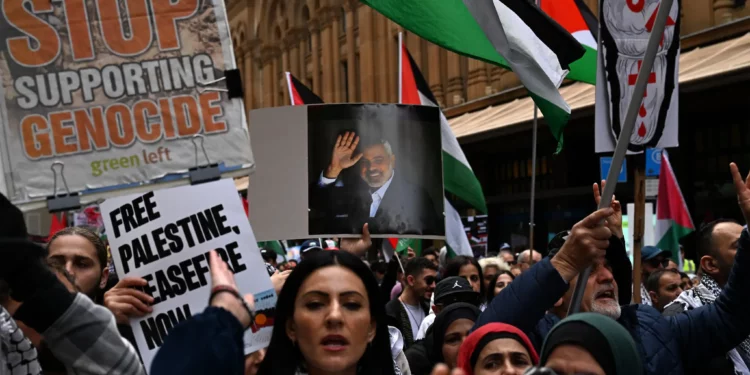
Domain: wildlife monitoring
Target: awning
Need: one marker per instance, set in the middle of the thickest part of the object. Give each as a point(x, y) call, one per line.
point(699, 63)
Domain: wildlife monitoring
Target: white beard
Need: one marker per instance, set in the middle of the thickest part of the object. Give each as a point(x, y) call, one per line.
point(611, 310)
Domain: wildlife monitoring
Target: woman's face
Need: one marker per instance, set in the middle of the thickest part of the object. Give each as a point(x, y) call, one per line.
point(471, 273)
point(502, 282)
point(489, 272)
point(454, 337)
point(503, 357)
point(331, 322)
point(572, 359)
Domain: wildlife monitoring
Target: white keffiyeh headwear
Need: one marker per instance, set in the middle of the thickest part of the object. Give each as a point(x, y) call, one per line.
point(18, 355)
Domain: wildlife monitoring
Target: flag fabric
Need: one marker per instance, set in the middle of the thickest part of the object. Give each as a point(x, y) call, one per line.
point(58, 224)
point(458, 177)
point(513, 34)
point(577, 19)
point(672, 216)
point(299, 94)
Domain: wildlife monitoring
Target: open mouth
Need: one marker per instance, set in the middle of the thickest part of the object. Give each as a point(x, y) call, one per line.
point(610, 294)
point(334, 343)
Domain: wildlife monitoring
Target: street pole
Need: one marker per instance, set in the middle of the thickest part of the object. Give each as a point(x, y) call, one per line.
point(533, 186)
point(627, 130)
point(640, 214)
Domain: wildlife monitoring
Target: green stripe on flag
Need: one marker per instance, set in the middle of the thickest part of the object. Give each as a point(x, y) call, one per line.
point(461, 181)
point(584, 69)
point(671, 240)
point(555, 116)
point(276, 246)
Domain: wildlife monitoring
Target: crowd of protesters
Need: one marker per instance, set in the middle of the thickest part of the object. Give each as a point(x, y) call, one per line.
point(63, 311)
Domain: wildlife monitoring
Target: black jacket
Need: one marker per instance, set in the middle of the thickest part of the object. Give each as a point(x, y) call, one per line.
point(398, 317)
point(344, 207)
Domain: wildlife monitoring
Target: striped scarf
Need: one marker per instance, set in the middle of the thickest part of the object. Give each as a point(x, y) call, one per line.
point(18, 355)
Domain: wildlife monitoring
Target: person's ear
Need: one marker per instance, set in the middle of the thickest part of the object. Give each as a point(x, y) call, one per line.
point(371, 332)
point(435, 309)
point(559, 302)
point(708, 264)
point(291, 331)
point(105, 278)
point(410, 280)
point(654, 298)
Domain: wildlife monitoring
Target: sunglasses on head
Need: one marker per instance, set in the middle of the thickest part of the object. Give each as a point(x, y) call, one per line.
point(656, 262)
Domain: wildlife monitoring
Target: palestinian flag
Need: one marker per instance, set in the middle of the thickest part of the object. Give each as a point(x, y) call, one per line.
point(458, 177)
point(575, 17)
point(299, 94)
point(513, 34)
point(672, 216)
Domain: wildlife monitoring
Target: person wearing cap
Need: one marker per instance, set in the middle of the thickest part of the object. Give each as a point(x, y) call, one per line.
point(590, 343)
point(269, 256)
point(309, 247)
point(506, 253)
point(448, 291)
point(652, 259)
point(668, 345)
point(496, 348)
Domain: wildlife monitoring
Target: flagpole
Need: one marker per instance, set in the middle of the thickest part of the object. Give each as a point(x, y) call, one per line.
point(627, 130)
point(400, 66)
point(534, 128)
point(289, 86)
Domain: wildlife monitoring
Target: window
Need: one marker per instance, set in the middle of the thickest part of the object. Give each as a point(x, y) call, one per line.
point(343, 21)
point(345, 80)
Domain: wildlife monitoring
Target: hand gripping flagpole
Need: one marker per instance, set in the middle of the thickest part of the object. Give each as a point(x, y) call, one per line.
point(627, 130)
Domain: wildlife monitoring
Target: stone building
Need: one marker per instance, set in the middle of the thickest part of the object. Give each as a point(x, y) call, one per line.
point(346, 52)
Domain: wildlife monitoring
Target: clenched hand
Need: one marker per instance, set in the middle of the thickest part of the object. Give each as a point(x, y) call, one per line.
point(125, 302)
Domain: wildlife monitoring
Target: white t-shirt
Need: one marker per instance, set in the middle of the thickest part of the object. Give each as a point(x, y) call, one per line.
point(416, 316)
point(426, 323)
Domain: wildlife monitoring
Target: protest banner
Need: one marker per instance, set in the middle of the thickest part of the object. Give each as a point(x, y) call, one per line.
point(165, 237)
point(379, 164)
point(116, 92)
point(625, 29)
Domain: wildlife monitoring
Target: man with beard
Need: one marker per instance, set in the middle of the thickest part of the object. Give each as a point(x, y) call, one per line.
point(381, 196)
point(663, 287)
point(408, 310)
point(81, 253)
point(669, 344)
point(717, 248)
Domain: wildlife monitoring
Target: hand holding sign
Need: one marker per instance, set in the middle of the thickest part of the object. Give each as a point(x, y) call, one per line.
point(587, 241)
point(222, 276)
point(125, 302)
point(342, 157)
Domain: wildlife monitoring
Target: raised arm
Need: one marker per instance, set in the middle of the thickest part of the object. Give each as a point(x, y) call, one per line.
point(714, 329)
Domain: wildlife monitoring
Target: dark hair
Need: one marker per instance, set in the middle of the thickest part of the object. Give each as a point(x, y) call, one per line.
point(652, 283)
point(88, 234)
point(453, 268)
point(284, 357)
point(429, 251)
point(683, 274)
point(379, 267)
point(493, 281)
point(416, 266)
point(705, 245)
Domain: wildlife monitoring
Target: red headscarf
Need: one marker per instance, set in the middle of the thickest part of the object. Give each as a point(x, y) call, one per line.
point(471, 342)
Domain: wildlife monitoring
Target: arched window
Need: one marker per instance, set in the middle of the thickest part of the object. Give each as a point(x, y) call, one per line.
point(343, 21)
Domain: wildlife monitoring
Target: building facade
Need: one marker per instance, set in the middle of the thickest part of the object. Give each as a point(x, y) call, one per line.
point(346, 52)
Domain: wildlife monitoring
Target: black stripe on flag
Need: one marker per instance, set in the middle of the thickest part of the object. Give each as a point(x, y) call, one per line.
point(422, 85)
point(307, 96)
point(588, 17)
point(554, 36)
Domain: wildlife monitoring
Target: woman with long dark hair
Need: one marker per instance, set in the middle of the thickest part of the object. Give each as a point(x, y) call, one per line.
point(469, 269)
point(330, 319)
point(498, 283)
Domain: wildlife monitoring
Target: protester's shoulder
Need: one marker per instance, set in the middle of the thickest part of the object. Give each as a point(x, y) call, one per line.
point(674, 308)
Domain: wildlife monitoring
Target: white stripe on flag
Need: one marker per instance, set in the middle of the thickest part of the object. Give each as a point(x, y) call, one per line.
point(455, 235)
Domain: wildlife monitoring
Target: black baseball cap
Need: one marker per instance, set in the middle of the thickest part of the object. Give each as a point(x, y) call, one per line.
point(310, 245)
point(455, 289)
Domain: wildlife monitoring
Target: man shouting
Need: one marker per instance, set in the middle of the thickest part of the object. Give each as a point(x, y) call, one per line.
point(381, 196)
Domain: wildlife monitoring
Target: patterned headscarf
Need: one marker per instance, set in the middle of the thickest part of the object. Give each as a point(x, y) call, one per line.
point(18, 355)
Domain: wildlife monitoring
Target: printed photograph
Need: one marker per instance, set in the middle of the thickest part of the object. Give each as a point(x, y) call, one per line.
point(379, 164)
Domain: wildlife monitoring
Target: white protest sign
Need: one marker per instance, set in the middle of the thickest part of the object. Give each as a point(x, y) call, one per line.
point(165, 237)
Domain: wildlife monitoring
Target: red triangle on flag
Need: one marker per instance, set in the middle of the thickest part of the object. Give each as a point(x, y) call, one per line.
point(57, 225)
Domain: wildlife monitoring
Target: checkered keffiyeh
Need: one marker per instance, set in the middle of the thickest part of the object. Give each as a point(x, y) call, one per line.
point(86, 340)
point(18, 357)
